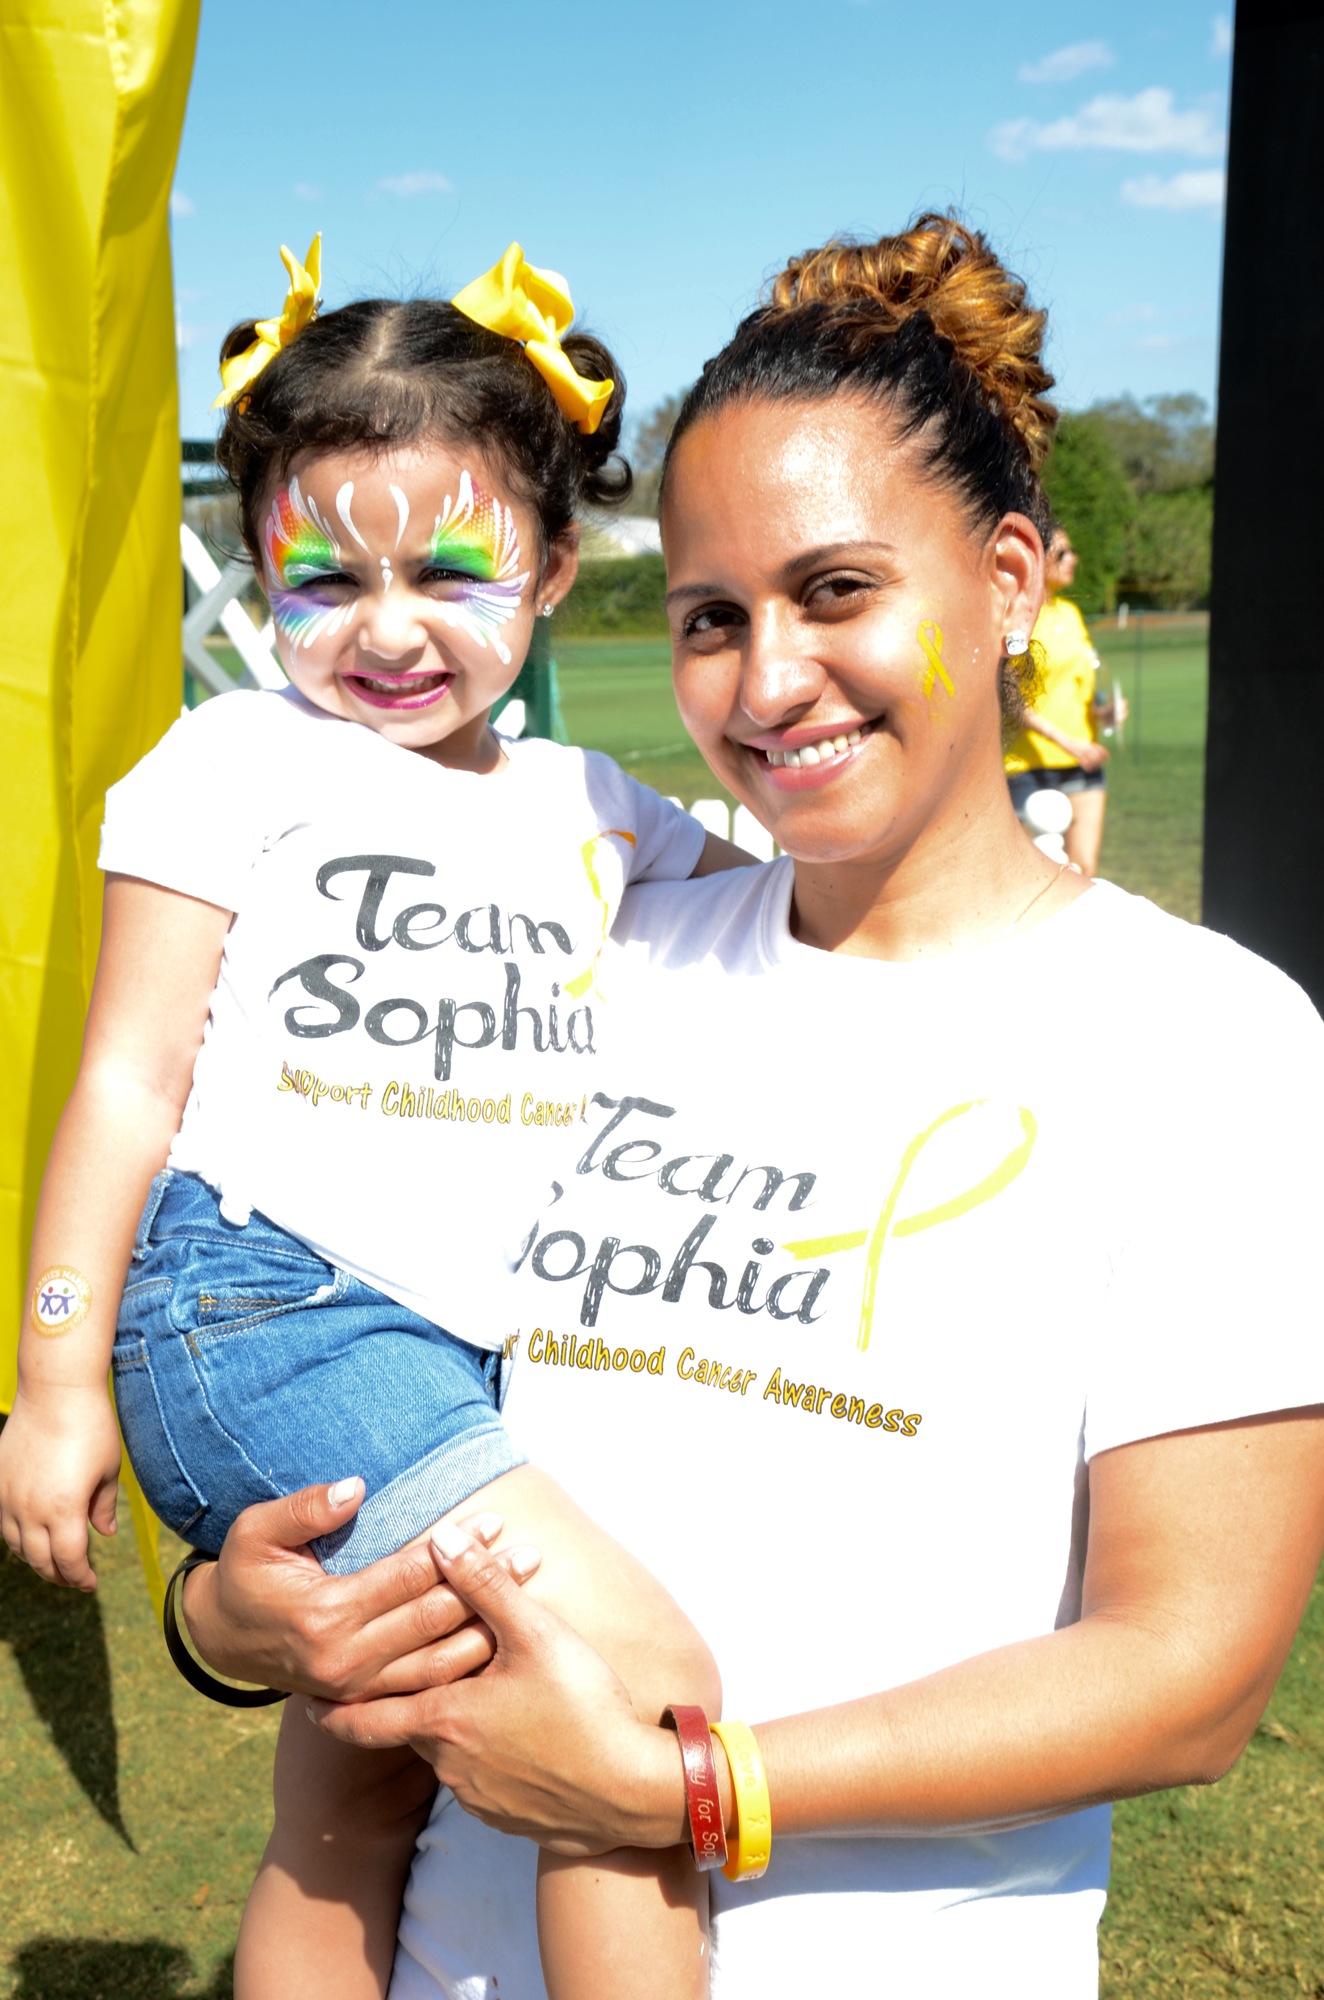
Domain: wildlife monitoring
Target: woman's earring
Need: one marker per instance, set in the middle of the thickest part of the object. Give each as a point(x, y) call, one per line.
point(546, 611)
point(1015, 644)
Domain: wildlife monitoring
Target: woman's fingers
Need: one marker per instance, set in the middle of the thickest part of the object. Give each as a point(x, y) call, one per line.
point(269, 1613)
point(435, 1639)
point(382, 1725)
point(485, 1581)
point(299, 1518)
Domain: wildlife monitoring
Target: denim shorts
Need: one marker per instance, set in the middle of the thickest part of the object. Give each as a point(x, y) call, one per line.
point(1056, 778)
point(246, 1366)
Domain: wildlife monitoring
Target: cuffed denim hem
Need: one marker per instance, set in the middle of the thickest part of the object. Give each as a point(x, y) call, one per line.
point(415, 1499)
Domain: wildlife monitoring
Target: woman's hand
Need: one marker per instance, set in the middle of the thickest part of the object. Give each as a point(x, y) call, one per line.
point(1090, 756)
point(267, 1612)
point(544, 1741)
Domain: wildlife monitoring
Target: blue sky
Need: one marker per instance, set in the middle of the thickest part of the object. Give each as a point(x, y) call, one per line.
point(668, 158)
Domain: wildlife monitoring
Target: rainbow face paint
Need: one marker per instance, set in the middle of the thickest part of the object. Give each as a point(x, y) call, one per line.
point(476, 535)
point(300, 548)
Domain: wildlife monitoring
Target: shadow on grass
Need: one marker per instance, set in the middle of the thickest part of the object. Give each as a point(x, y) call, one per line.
point(59, 1645)
point(96, 1969)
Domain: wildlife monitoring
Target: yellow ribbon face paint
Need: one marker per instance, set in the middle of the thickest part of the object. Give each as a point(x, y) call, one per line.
point(61, 1300)
point(929, 637)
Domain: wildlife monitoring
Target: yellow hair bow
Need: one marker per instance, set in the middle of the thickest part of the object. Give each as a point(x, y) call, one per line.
point(272, 334)
point(535, 308)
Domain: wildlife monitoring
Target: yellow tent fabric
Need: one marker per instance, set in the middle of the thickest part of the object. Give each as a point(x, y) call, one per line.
point(92, 96)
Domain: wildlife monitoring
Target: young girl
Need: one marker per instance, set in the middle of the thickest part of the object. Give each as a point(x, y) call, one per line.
point(346, 996)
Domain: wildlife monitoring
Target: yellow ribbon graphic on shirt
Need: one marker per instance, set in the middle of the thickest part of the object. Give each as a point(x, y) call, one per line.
point(887, 1226)
point(580, 985)
point(929, 636)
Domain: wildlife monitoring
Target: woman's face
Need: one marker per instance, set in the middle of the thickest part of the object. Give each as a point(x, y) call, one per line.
point(837, 626)
point(1060, 567)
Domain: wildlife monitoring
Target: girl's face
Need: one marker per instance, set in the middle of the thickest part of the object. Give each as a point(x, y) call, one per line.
point(837, 628)
point(403, 590)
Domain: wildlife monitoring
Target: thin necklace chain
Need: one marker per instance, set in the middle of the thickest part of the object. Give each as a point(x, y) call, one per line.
point(1063, 867)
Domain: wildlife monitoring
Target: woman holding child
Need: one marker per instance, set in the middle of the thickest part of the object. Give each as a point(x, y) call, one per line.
point(971, 1571)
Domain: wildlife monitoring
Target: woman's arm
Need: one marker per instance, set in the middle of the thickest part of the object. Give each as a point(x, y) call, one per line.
point(60, 1450)
point(1202, 1550)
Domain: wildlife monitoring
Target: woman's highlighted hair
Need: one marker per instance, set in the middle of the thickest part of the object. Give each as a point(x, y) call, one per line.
point(928, 322)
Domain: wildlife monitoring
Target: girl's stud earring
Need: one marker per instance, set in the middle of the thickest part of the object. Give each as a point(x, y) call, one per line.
point(546, 611)
point(1015, 644)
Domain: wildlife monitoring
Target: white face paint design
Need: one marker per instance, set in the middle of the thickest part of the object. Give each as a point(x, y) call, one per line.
point(476, 535)
point(300, 548)
point(474, 539)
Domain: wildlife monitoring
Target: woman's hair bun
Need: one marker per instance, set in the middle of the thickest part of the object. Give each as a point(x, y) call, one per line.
point(947, 271)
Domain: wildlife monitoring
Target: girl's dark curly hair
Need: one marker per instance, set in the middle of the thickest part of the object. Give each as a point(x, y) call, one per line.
point(384, 373)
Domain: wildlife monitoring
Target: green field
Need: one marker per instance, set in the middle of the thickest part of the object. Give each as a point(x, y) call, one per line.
point(133, 1811)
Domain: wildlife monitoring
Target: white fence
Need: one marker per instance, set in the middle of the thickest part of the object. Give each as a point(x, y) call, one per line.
point(218, 604)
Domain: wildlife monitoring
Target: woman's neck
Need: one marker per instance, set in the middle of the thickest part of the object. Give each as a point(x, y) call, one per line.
point(968, 878)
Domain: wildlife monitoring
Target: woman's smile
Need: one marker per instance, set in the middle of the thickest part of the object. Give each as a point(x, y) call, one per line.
point(799, 759)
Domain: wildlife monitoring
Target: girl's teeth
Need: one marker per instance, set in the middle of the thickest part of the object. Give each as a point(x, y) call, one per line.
point(815, 753)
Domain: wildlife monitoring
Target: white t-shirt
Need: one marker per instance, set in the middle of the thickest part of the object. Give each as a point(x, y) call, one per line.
point(847, 1280)
point(407, 1008)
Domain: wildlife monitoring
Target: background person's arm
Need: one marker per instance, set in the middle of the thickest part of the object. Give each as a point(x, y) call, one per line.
point(1202, 1549)
point(1090, 756)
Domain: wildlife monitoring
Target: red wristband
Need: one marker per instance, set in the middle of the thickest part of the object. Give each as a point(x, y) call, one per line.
point(702, 1798)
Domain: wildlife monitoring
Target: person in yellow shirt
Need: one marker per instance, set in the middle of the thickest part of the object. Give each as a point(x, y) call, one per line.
point(1058, 744)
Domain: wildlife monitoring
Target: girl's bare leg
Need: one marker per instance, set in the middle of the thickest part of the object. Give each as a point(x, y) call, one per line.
point(630, 1925)
point(320, 1922)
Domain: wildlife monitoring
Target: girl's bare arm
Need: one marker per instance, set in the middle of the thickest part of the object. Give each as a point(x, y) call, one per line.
point(59, 1450)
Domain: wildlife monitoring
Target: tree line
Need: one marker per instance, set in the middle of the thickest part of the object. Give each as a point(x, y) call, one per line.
point(1132, 483)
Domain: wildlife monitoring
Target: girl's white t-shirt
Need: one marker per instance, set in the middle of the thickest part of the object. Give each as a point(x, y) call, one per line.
point(851, 1269)
point(408, 1007)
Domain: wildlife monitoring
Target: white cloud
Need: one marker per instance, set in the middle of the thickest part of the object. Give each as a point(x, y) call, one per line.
point(180, 205)
point(1149, 122)
point(1066, 64)
point(1221, 45)
point(406, 185)
point(307, 191)
point(1129, 315)
point(1202, 188)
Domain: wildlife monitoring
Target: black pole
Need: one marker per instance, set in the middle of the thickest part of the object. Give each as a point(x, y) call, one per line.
point(1264, 776)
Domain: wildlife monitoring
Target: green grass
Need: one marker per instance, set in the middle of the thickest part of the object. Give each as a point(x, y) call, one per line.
point(133, 1812)
point(1155, 821)
point(616, 695)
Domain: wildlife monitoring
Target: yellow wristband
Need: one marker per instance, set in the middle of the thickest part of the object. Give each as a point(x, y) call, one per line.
point(749, 1782)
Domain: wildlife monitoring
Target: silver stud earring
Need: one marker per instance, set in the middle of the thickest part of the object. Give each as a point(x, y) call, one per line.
point(1015, 644)
point(546, 611)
